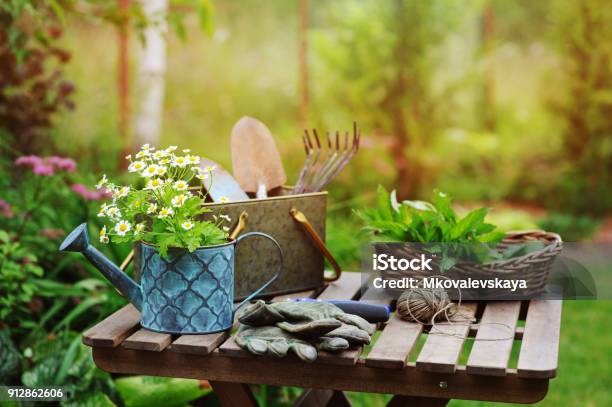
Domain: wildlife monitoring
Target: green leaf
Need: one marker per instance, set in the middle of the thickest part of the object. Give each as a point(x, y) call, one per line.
point(470, 222)
point(419, 205)
point(69, 358)
point(442, 203)
point(383, 201)
point(206, 19)
point(9, 357)
point(447, 263)
point(96, 399)
point(140, 391)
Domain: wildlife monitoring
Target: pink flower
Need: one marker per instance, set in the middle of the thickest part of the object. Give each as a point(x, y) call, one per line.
point(5, 209)
point(44, 170)
point(28, 160)
point(90, 194)
point(48, 165)
point(61, 163)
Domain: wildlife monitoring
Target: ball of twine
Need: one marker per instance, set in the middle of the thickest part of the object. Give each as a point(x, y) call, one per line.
point(424, 305)
point(427, 305)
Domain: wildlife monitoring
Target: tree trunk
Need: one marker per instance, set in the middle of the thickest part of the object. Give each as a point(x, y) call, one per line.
point(151, 75)
point(303, 63)
point(408, 169)
point(123, 70)
point(488, 38)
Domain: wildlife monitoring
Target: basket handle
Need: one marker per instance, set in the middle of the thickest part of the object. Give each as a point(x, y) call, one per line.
point(318, 242)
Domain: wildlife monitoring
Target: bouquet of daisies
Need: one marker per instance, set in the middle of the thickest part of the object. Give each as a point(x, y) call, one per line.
point(162, 208)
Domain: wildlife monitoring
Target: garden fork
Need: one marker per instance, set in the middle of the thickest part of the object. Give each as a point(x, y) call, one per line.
point(317, 174)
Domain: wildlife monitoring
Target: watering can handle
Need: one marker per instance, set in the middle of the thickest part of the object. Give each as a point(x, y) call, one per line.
point(280, 270)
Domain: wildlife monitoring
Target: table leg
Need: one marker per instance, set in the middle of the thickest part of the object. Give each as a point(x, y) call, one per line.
point(234, 394)
point(322, 398)
point(410, 401)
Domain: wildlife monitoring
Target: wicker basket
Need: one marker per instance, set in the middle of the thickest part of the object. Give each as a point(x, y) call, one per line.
point(533, 267)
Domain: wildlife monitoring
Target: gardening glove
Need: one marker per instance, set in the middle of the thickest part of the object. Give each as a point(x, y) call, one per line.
point(309, 319)
point(276, 342)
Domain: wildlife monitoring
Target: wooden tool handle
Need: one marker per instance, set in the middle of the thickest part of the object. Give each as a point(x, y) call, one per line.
point(312, 233)
point(128, 259)
point(240, 225)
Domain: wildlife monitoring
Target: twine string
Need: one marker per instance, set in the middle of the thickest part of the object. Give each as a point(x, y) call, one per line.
point(434, 304)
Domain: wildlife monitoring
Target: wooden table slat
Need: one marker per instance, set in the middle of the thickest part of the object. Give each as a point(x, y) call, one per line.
point(538, 357)
point(144, 339)
point(376, 296)
point(345, 288)
point(198, 344)
point(441, 351)
point(392, 348)
point(111, 331)
point(491, 353)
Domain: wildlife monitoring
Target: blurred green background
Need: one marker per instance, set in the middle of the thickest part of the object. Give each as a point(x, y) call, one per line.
point(506, 104)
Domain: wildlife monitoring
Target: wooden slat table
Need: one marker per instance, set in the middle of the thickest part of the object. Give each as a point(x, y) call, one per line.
point(429, 377)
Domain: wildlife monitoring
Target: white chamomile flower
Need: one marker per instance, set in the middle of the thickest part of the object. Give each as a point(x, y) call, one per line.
point(180, 161)
point(225, 229)
point(161, 170)
point(103, 181)
point(128, 157)
point(137, 166)
point(165, 161)
point(210, 168)
point(146, 147)
point(201, 176)
point(152, 208)
point(193, 159)
point(187, 225)
point(159, 154)
point(121, 192)
point(150, 171)
point(179, 200)
point(224, 199)
point(102, 211)
point(154, 183)
point(187, 150)
point(113, 212)
point(181, 185)
point(142, 154)
point(103, 235)
point(165, 212)
point(122, 227)
point(139, 228)
point(225, 218)
point(171, 149)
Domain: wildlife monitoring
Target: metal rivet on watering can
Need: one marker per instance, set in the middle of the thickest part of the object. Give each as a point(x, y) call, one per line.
point(443, 385)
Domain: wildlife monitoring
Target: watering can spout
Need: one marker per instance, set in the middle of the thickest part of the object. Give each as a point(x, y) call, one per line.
point(78, 241)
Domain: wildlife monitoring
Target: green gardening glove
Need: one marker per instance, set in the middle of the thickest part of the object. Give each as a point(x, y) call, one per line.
point(312, 319)
point(276, 342)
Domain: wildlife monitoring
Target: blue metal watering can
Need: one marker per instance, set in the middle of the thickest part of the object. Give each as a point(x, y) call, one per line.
point(183, 293)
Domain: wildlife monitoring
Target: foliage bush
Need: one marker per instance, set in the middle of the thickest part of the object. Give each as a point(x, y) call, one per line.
point(571, 228)
point(583, 33)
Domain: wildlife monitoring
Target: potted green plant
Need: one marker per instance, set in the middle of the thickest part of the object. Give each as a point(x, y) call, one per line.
point(186, 263)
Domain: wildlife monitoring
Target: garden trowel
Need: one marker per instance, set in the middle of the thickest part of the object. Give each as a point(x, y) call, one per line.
point(256, 162)
point(220, 184)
